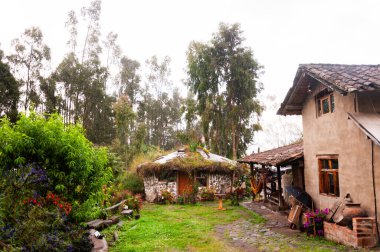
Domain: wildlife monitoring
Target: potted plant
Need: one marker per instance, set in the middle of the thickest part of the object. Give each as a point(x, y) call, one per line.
point(314, 222)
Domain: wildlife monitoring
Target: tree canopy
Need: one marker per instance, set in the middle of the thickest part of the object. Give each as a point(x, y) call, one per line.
point(224, 76)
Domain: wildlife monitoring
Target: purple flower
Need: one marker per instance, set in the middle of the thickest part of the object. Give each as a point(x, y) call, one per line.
point(320, 232)
point(306, 224)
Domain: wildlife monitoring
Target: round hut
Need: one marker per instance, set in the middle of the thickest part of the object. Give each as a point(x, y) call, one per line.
point(183, 169)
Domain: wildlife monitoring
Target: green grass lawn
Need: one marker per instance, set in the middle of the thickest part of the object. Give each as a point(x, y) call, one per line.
point(192, 228)
point(178, 228)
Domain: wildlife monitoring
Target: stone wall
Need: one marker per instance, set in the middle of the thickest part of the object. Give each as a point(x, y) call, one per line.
point(153, 188)
point(221, 183)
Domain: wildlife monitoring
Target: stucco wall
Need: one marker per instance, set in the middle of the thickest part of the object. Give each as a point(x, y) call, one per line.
point(333, 133)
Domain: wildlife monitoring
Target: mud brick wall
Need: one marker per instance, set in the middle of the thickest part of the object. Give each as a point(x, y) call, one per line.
point(363, 234)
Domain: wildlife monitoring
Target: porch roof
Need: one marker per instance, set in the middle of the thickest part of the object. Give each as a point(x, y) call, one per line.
point(369, 123)
point(276, 157)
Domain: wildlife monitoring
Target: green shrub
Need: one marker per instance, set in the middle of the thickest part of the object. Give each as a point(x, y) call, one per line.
point(51, 176)
point(133, 183)
point(166, 197)
point(207, 194)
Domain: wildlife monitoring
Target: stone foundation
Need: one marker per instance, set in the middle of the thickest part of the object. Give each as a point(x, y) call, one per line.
point(363, 234)
point(153, 188)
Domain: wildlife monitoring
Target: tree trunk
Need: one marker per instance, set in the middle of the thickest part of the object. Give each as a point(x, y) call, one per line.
point(234, 144)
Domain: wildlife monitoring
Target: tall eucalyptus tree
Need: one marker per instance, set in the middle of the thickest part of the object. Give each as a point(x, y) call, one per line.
point(224, 75)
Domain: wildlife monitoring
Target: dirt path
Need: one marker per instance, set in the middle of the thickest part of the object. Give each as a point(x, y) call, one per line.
point(274, 235)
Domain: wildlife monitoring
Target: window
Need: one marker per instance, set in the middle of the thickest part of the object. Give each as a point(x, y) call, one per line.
point(167, 176)
point(328, 176)
point(201, 178)
point(325, 104)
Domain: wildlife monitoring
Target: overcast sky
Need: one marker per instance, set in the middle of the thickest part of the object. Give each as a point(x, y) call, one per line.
point(281, 33)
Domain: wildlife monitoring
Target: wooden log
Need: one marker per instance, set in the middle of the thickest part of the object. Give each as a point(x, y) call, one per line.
point(99, 224)
point(115, 206)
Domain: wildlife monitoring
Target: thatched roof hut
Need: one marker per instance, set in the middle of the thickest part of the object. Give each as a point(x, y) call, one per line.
point(183, 168)
point(187, 161)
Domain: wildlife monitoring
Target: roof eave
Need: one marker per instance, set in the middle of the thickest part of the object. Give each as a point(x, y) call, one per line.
point(302, 72)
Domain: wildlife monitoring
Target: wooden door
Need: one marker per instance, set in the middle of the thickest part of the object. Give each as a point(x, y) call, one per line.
point(184, 182)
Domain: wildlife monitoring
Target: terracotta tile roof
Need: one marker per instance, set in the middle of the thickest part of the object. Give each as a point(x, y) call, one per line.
point(348, 78)
point(276, 157)
point(341, 78)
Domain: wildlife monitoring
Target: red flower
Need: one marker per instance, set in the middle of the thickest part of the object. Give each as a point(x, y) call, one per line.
point(34, 201)
point(60, 205)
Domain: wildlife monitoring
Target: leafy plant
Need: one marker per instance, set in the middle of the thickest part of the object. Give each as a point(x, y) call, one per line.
point(49, 156)
point(314, 223)
point(190, 194)
point(133, 183)
point(51, 177)
point(207, 194)
point(166, 197)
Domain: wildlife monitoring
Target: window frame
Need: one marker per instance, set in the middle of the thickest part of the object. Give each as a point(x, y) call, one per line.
point(201, 176)
point(324, 176)
point(329, 97)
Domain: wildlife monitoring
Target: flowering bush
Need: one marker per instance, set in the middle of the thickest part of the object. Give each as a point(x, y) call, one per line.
point(315, 221)
point(48, 201)
point(318, 215)
point(51, 177)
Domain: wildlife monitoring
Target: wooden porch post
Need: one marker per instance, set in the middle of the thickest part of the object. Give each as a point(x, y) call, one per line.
point(253, 194)
point(265, 187)
point(280, 200)
point(251, 166)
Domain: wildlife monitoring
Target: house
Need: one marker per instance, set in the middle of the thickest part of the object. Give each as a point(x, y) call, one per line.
point(282, 159)
point(182, 169)
point(340, 106)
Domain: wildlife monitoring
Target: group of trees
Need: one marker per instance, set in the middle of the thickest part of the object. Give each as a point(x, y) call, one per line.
point(98, 86)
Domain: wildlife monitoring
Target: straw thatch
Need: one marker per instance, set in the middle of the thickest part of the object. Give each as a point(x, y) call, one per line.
point(188, 161)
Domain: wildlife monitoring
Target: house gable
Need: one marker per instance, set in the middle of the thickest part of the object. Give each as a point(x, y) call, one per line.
point(343, 79)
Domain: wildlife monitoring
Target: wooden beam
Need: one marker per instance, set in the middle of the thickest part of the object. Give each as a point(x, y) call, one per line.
point(293, 107)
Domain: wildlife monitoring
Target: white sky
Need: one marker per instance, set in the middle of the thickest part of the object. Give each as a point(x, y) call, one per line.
point(281, 33)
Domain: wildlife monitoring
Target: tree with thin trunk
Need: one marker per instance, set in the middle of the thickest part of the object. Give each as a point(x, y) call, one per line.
point(31, 54)
point(224, 76)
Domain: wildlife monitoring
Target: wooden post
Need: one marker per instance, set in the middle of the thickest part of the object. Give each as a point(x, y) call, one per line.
point(280, 200)
point(265, 188)
point(253, 194)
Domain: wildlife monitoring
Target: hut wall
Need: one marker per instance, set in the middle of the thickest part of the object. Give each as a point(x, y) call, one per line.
point(221, 183)
point(153, 188)
point(333, 133)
